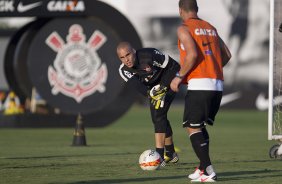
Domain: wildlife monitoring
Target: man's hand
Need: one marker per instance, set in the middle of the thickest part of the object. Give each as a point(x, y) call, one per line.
point(174, 85)
point(157, 94)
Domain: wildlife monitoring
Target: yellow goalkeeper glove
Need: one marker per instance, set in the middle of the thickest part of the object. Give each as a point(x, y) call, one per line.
point(157, 93)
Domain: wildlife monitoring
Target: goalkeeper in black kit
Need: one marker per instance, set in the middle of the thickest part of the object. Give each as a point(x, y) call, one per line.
point(151, 72)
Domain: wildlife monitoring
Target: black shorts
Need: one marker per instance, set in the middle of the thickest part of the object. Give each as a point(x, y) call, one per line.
point(201, 107)
point(159, 116)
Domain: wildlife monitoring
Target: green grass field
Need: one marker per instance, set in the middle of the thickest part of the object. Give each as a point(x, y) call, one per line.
point(239, 151)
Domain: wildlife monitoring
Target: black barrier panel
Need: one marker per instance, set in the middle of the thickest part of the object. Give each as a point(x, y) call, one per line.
point(73, 64)
point(16, 58)
point(9, 61)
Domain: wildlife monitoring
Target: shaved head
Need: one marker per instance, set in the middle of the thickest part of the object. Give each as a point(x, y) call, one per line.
point(188, 5)
point(126, 53)
point(123, 45)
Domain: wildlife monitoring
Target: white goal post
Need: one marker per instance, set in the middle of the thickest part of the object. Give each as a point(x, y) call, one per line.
point(275, 72)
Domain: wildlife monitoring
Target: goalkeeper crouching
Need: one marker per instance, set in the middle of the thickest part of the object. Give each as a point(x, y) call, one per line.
point(151, 72)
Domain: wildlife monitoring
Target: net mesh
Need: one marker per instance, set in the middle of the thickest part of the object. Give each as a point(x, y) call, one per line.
point(277, 69)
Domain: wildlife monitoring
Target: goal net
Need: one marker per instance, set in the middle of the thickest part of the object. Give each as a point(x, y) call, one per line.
point(275, 72)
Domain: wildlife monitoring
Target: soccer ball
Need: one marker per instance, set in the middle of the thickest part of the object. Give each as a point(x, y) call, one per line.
point(150, 160)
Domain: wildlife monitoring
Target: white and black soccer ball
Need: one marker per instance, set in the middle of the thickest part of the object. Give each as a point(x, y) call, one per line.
point(150, 160)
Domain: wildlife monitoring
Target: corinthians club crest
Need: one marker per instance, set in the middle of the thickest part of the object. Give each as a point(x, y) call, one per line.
point(78, 71)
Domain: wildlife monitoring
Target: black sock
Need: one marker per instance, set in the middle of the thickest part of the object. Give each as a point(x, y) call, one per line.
point(169, 150)
point(206, 137)
point(201, 149)
point(161, 152)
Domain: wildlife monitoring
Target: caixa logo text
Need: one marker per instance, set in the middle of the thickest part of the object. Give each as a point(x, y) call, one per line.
point(73, 6)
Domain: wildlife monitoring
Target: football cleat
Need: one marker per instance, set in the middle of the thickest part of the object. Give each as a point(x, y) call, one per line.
point(197, 173)
point(206, 178)
point(174, 159)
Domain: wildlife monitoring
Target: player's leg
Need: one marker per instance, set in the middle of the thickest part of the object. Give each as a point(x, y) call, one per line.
point(170, 154)
point(159, 142)
point(206, 136)
point(195, 114)
point(212, 106)
point(159, 129)
point(162, 126)
point(213, 109)
point(205, 171)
